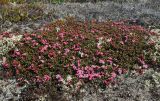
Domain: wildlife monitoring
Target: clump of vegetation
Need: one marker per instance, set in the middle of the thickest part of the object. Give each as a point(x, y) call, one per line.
point(24, 12)
point(73, 53)
point(17, 1)
point(13, 14)
point(35, 11)
point(3, 2)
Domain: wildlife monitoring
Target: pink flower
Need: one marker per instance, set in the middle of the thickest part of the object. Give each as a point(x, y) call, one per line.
point(57, 45)
point(141, 60)
point(1, 37)
point(152, 33)
point(80, 73)
point(17, 53)
point(94, 75)
point(39, 36)
point(44, 41)
point(66, 51)
point(20, 79)
point(78, 63)
point(71, 40)
point(38, 79)
point(99, 46)
point(110, 60)
point(46, 77)
point(94, 58)
point(93, 31)
point(91, 76)
point(151, 42)
point(33, 34)
point(145, 65)
point(101, 61)
point(33, 41)
point(133, 40)
point(28, 38)
point(105, 67)
point(122, 42)
point(17, 71)
point(33, 68)
point(61, 34)
point(4, 60)
point(74, 67)
point(126, 38)
point(51, 53)
point(65, 43)
point(106, 82)
point(34, 44)
point(99, 53)
point(120, 71)
point(15, 63)
point(76, 47)
point(5, 65)
point(59, 77)
point(113, 74)
point(43, 48)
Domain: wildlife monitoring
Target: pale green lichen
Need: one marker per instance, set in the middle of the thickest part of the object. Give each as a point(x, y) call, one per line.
point(148, 85)
point(156, 40)
point(152, 79)
point(156, 78)
point(8, 43)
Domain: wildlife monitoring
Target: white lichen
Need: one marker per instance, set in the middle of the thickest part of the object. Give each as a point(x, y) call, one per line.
point(156, 78)
point(8, 43)
point(9, 90)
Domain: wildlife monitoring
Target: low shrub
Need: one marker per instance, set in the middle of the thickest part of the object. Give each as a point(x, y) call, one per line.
point(70, 52)
point(25, 12)
point(3, 2)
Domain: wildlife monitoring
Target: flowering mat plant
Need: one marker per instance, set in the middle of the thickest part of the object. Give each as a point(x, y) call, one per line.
point(72, 53)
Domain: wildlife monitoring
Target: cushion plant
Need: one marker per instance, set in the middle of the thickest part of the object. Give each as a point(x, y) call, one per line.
point(70, 51)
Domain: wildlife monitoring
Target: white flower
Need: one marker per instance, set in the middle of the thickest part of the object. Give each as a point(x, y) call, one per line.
point(69, 78)
point(109, 40)
point(17, 38)
point(100, 40)
point(57, 29)
point(132, 33)
point(81, 53)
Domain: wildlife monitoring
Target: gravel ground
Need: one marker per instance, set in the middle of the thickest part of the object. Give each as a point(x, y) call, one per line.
point(110, 10)
point(144, 11)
